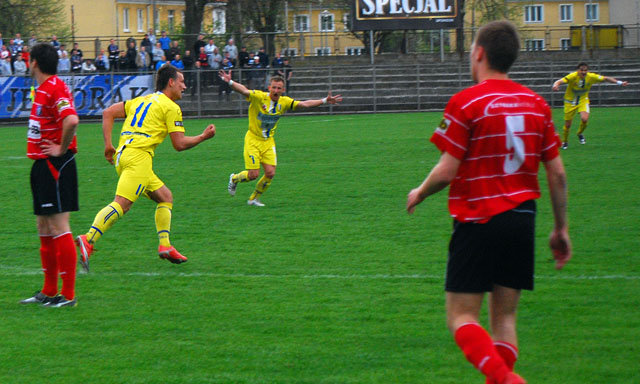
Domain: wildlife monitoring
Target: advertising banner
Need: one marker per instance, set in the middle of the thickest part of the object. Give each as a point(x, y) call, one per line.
point(91, 93)
point(405, 14)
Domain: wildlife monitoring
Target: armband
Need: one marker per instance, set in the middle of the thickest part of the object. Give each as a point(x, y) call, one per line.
point(619, 82)
point(324, 101)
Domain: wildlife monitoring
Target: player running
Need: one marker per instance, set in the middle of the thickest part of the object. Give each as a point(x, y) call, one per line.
point(265, 109)
point(148, 121)
point(576, 98)
point(492, 138)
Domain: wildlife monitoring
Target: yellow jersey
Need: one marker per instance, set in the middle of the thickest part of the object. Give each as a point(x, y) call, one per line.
point(149, 119)
point(578, 89)
point(264, 113)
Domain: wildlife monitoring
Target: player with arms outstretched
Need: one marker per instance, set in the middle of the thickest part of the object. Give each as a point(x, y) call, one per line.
point(149, 119)
point(265, 109)
point(576, 98)
point(493, 137)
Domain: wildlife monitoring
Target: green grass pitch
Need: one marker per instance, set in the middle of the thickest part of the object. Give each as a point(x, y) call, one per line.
point(331, 282)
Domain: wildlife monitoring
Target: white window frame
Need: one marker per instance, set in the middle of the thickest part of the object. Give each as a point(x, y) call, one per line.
point(596, 6)
point(182, 18)
point(140, 18)
point(125, 20)
point(529, 16)
point(218, 18)
point(333, 22)
point(171, 20)
point(531, 45)
point(569, 9)
point(356, 51)
point(323, 51)
point(345, 22)
point(297, 25)
point(562, 45)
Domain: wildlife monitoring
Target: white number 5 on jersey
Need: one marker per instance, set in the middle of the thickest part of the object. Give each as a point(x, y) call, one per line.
point(514, 160)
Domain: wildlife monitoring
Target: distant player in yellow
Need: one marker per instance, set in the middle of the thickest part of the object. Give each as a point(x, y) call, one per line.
point(148, 120)
point(576, 98)
point(265, 110)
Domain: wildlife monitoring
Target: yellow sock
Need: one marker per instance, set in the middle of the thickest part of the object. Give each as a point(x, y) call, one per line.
point(565, 134)
point(583, 126)
point(261, 187)
point(241, 177)
point(104, 220)
point(163, 223)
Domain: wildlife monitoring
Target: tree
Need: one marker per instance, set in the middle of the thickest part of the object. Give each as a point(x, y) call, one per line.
point(263, 16)
point(193, 14)
point(39, 17)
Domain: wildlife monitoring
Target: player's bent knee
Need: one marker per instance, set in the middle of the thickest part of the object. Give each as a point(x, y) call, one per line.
point(253, 174)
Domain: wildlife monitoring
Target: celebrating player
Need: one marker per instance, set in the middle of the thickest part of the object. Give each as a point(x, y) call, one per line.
point(51, 142)
point(576, 98)
point(148, 121)
point(259, 146)
point(493, 137)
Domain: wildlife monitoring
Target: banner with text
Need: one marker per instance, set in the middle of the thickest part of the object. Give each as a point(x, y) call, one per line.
point(405, 14)
point(91, 93)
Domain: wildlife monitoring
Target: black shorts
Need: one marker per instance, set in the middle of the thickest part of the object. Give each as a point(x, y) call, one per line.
point(54, 185)
point(500, 252)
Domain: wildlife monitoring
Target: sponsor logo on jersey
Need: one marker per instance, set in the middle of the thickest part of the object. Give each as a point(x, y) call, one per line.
point(444, 125)
point(178, 124)
point(63, 104)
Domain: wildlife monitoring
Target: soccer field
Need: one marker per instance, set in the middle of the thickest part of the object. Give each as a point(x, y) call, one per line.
point(331, 282)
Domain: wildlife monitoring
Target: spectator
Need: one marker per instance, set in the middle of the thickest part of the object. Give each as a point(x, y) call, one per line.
point(161, 62)
point(113, 52)
point(256, 74)
point(208, 49)
point(26, 55)
point(88, 66)
point(204, 66)
point(132, 54)
point(76, 61)
point(143, 59)
point(165, 42)
point(18, 40)
point(102, 61)
point(232, 50)
point(286, 73)
point(5, 66)
point(146, 43)
point(156, 54)
point(32, 42)
point(55, 42)
point(1, 41)
point(19, 66)
point(196, 75)
point(177, 62)
point(215, 60)
point(14, 49)
point(243, 57)
point(223, 87)
point(77, 48)
point(4, 53)
point(174, 50)
point(152, 37)
point(264, 58)
point(187, 61)
point(277, 63)
point(199, 43)
point(64, 64)
point(62, 49)
point(122, 64)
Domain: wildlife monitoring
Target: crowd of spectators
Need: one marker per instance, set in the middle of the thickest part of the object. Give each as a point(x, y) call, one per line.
point(149, 54)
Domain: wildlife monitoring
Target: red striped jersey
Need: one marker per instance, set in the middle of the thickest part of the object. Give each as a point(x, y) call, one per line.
point(53, 102)
point(500, 130)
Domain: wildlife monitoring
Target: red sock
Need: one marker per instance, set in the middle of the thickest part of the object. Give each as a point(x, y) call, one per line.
point(508, 352)
point(67, 259)
point(477, 346)
point(49, 265)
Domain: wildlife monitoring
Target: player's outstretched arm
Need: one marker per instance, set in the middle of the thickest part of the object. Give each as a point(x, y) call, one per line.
point(116, 111)
point(317, 102)
point(181, 142)
point(241, 89)
point(616, 81)
point(556, 85)
point(440, 176)
point(559, 241)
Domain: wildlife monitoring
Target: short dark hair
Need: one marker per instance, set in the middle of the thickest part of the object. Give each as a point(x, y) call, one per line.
point(582, 64)
point(276, 78)
point(46, 56)
point(501, 43)
point(165, 73)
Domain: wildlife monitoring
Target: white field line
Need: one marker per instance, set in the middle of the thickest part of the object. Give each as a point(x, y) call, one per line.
point(17, 271)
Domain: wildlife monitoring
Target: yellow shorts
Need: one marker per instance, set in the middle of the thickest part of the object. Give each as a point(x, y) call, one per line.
point(570, 110)
point(259, 151)
point(135, 168)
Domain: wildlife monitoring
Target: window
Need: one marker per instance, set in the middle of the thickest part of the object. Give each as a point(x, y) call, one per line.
point(326, 22)
point(301, 23)
point(354, 51)
point(125, 19)
point(346, 22)
point(323, 51)
point(592, 11)
point(565, 44)
point(290, 52)
point(156, 17)
point(171, 18)
point(182, 18)
point(566, 12)
point(534, 45)
point(140, 20)
point(533, 14)
point(219, 25)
